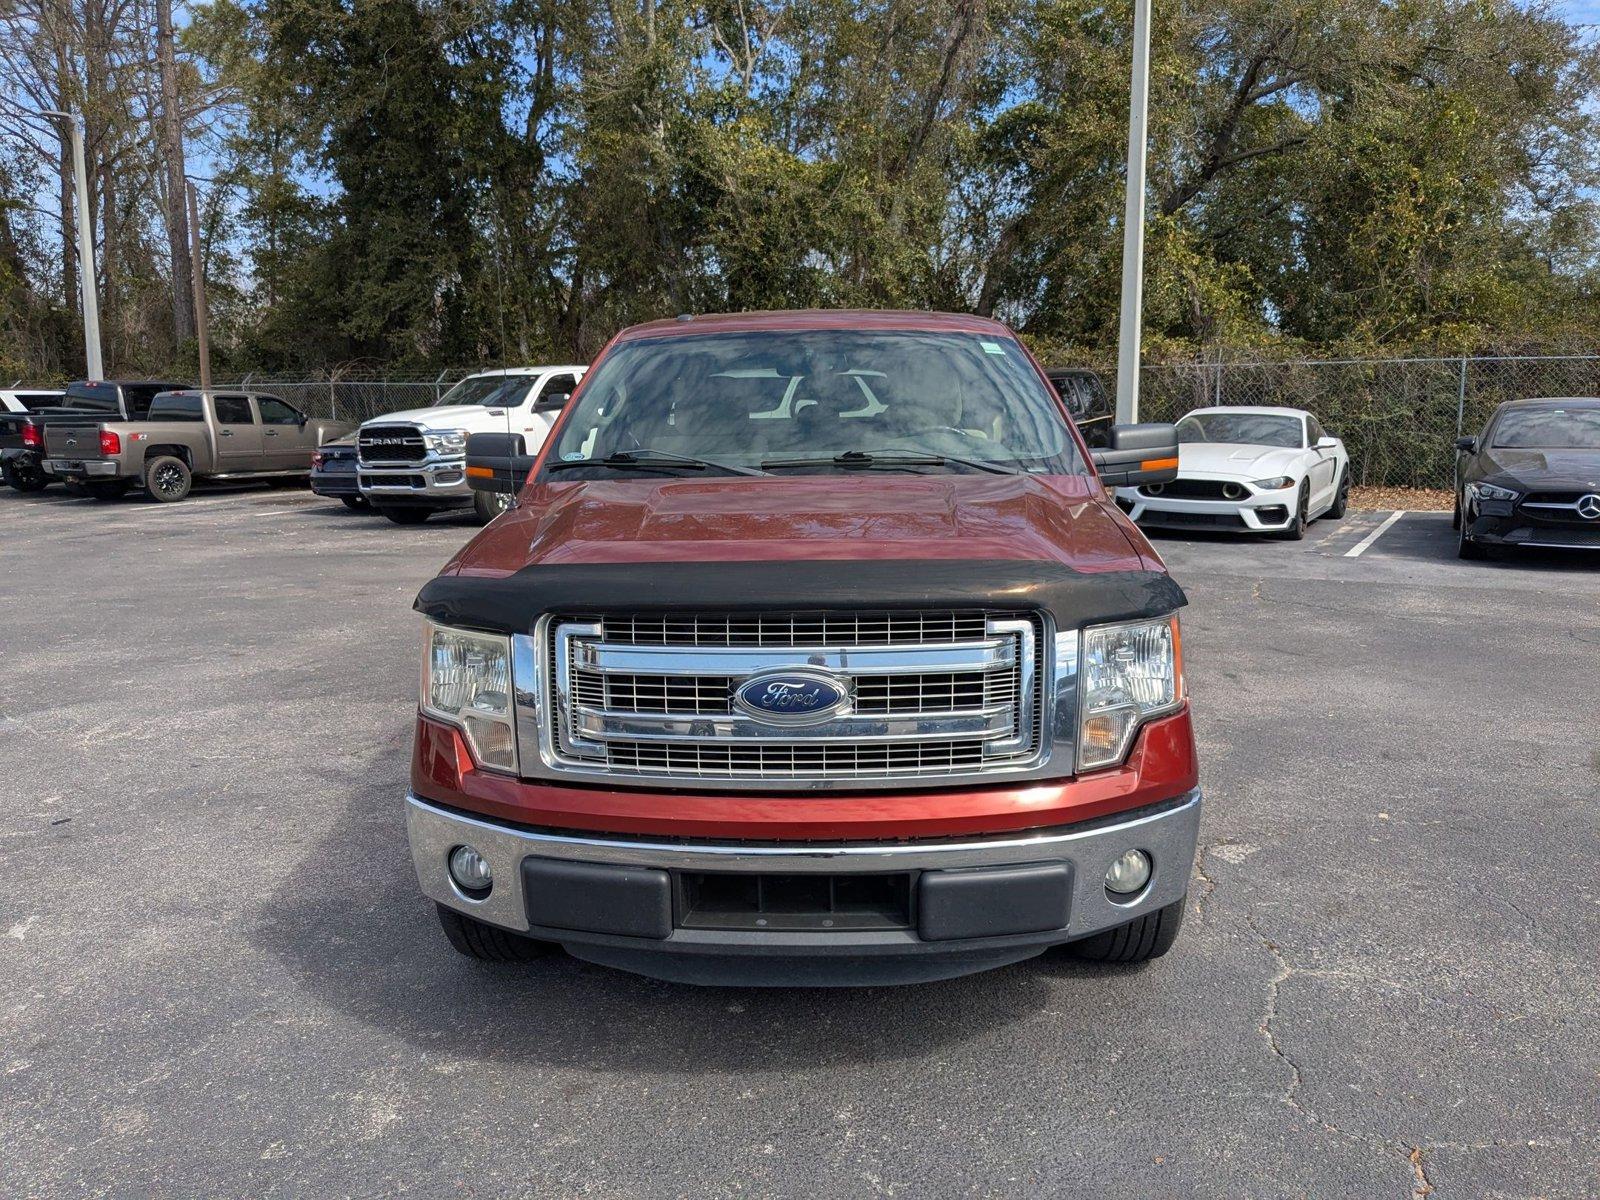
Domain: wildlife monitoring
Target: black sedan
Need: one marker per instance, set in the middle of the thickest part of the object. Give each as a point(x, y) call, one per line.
point(1531, 478)
point(333, 471)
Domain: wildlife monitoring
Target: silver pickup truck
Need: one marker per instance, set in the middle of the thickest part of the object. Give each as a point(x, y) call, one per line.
point(189, 435)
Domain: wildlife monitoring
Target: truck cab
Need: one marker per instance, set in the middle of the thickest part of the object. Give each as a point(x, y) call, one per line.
point(813, 651)
point(412, 464)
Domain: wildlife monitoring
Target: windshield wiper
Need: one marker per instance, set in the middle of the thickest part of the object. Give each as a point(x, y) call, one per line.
point(646, 458)
point(895, 458)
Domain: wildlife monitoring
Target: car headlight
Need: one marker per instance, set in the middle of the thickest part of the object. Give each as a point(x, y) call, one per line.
point(1490, 491)
point(453, 441)
point(466, 680)
point(1276, 484)
point(1130, 673)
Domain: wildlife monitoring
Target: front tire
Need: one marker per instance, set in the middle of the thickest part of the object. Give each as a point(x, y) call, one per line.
point(1140, 940)
point(1341, 498)
point(24, 475)
point(488, 943)
point(489, 505)
point(1466, 548)
point(405, 516)
point(167, 479)
point(1296, 529)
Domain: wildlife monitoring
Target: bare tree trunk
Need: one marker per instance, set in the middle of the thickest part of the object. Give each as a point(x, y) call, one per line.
point(69, 214)
point(171, 133)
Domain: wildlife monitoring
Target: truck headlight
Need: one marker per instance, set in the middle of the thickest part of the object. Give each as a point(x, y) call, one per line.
point(1130, 673)
point(466, 680)
point(1490, 491)
point(449, 441)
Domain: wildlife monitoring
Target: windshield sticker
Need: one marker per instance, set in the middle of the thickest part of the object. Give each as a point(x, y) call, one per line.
point(573, 456)
point(992, 348)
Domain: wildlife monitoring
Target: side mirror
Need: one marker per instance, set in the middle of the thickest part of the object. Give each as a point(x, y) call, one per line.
point(552, 402)
point(1138, 454)
point(496, 463)
point(1467, 445)
point(1327, 443)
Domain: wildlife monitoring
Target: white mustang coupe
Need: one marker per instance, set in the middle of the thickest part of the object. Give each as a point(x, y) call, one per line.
point(1255, 470)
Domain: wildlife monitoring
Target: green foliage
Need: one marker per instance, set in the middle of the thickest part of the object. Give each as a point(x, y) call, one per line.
point(429, 182)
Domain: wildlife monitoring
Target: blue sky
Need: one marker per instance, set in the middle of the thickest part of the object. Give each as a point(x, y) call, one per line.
point(1582, 12)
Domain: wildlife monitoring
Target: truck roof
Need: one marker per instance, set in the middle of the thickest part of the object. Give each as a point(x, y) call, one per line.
point(815, 318)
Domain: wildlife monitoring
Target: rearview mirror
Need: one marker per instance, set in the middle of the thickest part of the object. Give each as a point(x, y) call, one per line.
point(496, 463)
point(1467, 444)
point(1138, 454)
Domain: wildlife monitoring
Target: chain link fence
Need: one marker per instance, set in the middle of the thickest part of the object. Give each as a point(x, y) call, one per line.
point(1398, 417)
point(353, 400)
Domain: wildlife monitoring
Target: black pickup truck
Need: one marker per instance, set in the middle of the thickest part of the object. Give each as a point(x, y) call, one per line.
point(22, 435)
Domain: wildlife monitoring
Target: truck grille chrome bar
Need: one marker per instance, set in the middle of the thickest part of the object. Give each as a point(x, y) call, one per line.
point(391, 444)
point(923, 697)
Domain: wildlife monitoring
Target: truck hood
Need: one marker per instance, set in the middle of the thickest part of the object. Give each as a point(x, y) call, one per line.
point(1231, 460)
point(1061, 520)
point(475, 417)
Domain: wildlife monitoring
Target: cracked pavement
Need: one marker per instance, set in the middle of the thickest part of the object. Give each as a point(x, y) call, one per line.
point(218, 978)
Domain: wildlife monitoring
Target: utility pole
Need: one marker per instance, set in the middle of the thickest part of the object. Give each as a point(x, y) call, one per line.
point(1133, 222)
point(201, 324)
point(86, 275)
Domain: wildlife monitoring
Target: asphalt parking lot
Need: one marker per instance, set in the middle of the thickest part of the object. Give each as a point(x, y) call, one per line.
point(218, 977)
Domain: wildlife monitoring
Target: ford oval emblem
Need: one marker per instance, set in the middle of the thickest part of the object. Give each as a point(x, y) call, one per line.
point(792, 697)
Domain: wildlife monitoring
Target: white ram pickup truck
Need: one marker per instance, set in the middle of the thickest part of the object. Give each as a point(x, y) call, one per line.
point(412, 464)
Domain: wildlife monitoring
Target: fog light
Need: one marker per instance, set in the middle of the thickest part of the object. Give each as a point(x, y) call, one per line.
point(471, 871)
point(1129, 873)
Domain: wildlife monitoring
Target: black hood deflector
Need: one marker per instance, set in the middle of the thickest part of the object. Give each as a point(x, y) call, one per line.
point(512, 603)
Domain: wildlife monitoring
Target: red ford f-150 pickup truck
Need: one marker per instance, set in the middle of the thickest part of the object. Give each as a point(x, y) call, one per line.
point(813, 652)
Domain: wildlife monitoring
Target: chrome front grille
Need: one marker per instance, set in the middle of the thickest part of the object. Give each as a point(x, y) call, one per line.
point(928, 696)
point(391, 444)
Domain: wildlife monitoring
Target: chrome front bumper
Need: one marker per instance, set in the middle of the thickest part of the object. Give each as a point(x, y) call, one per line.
point(1167, 832)
point(445, 479)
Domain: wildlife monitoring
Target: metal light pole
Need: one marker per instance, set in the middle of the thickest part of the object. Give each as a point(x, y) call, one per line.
point(86, 277)
point(1133, 222)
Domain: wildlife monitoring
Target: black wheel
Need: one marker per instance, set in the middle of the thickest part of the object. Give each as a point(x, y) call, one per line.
point(1140, 940)
point(1465, 547)
point(489, 505)
point(1296, 528)
point(1341, 498)
point(405, 516)
point(108, 489)
point(488, 943)
point(353, 503)
point(167, 479)
point(25, 474)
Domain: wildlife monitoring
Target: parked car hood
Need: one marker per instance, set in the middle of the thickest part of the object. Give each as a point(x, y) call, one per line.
point(476, 417)
point(1232, 460)
point(1553, 469)
point(1058, 519)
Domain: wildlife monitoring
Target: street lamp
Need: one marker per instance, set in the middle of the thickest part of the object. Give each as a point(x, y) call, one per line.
point(86, 279)
point(1133, 221)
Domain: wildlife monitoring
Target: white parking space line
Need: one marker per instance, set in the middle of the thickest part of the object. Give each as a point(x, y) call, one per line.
point(1361, 547)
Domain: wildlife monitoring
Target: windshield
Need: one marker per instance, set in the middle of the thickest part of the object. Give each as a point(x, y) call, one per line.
point(1549, 429)
point(793, 402)
point(1244, 429)
point(492, 391)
